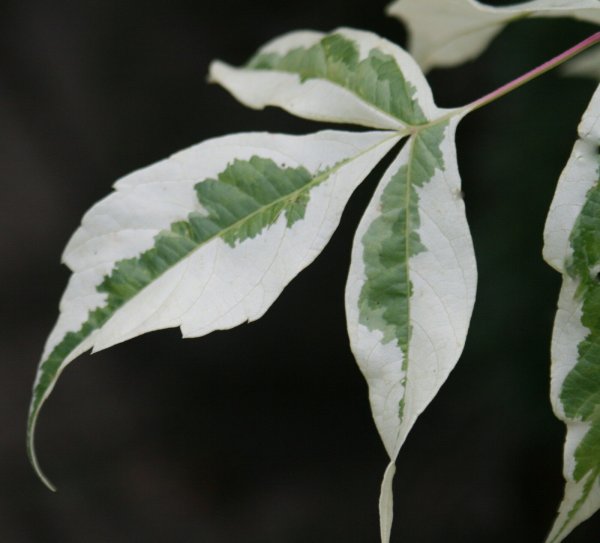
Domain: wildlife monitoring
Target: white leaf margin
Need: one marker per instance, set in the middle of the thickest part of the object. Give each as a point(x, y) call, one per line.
point(578, 177)
point(444, 286)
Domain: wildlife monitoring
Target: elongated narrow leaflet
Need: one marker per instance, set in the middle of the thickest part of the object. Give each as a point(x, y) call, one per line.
point(444, 33)
point(348, 76)
point(572, 247)
point(411, 288)
point(204, 240)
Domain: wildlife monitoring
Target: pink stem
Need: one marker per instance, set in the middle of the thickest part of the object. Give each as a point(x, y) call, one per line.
point(532, 74)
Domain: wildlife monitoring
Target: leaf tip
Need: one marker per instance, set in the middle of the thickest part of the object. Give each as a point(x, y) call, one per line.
point(386, 503)
point(215, 68)
point(31, 450)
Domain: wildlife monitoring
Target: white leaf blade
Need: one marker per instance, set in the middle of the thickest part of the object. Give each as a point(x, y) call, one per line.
point(408, 315)
point(442, 32)
point(300, 72)
point(283, 251)
point(327, 166)
point(445, 33)
point(570, 242)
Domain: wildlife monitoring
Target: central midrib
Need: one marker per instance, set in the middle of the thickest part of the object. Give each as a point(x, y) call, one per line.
point(405, 361)
point(232, 227)
point(290, 196)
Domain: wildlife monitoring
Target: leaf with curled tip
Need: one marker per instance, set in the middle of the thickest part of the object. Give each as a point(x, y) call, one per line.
point(208, 238)
point(168, 246)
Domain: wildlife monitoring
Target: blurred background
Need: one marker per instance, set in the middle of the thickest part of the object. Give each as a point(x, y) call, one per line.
point(263, 434)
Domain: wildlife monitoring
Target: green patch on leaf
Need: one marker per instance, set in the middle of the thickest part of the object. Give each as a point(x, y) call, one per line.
point(247, 197)
point(393, 238)
point(377, 79)
point(580, 394)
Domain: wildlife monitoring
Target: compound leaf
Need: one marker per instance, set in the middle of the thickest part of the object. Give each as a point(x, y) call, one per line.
point(572, 246)
point(168, 248)
point(206, 239)
point(445, 33)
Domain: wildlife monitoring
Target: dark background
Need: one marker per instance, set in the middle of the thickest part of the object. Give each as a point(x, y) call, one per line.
point(263, 434)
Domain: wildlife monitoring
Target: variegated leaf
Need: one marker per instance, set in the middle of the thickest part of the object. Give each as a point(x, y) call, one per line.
point(270, 203)
point(347, 76)
point(205, 240)
point(572, 246)
point(444, 33)
point(411, 288)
